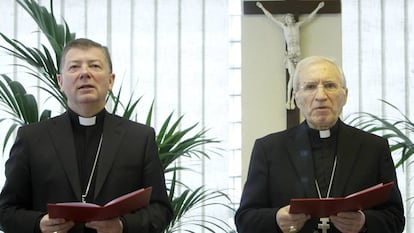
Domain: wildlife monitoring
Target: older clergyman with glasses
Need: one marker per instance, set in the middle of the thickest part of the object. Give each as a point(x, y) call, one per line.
point(322, 157)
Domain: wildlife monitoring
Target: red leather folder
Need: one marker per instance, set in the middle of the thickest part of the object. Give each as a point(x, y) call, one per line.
point(85, 212)
point(324, 207)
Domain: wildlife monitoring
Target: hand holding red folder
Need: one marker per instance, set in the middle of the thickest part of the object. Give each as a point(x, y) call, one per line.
point(85, 212)
point(324, 207)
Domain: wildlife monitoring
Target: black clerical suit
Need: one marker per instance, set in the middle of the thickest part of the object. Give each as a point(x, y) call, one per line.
point(282, 167)
point(43, 168)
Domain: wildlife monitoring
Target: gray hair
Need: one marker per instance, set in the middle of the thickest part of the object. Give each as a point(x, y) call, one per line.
point(313, 59)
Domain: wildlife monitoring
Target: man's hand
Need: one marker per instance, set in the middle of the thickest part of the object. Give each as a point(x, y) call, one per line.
point(348, 222)
point(290, 222)
point(106, 226)
point(51, 225)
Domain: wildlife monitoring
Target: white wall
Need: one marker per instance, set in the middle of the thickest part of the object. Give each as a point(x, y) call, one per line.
point(263, 72)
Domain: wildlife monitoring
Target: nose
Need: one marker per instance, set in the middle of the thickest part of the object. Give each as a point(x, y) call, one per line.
point(84, 71)
point(320, 92)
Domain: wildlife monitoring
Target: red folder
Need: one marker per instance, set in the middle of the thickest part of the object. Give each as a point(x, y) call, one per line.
point(85, 212)
point(324, 207)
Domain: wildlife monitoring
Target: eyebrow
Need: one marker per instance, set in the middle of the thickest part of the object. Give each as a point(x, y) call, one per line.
point(326, 81)
point(79, 60)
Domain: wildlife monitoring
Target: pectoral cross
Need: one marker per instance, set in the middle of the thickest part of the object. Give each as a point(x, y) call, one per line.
point(296, 7)
point(324, 225)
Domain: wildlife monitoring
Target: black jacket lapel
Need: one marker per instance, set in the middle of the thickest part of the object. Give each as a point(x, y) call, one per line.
point(112, 137)
point(62, 137)
point(347, 157)
point(300, 149)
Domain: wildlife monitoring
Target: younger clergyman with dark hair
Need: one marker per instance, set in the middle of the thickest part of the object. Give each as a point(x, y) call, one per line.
point(85, 154)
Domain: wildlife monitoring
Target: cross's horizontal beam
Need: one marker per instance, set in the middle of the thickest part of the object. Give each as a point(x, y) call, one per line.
point(293, 7)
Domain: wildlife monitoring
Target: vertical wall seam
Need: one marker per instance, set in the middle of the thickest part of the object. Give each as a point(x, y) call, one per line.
point(109, 25)
point(406, 58)
point(85, 16)
point(38, 46)
point(15, 35)
point(383, 54)
point(179, 91)
point(359, 57)
point(62, 11)
point(179, 57)
point(407, 105)
point(131, 45)
point(155, 61)
point(203, 88)
point(203, 62)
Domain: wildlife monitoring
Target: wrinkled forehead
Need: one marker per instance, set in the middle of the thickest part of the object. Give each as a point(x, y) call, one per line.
point(319, 71)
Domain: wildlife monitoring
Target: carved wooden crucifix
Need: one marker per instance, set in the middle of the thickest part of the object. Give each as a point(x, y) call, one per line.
point(295, 7)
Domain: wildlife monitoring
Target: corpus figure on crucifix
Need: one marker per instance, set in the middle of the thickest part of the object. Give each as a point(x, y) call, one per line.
point(291, 31)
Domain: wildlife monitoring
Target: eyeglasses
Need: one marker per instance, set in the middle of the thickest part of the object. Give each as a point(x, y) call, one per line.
point(312, 87)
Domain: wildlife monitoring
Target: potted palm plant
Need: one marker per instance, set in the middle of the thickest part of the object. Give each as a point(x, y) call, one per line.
point(396, 131)
point(174, 142)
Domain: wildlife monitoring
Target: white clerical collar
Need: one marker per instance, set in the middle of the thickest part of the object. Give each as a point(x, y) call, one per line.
point(324, 133)
point(87, 121)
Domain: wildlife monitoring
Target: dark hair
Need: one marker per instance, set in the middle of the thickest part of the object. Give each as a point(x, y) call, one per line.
point(83, 43)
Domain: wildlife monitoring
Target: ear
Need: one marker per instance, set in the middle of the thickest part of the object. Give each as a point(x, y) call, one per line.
point(111, 81)
point(296, 99)
point(60, 81)
point(345, 95)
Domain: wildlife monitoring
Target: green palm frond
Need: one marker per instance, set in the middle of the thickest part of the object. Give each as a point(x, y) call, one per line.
point(396, 131)
point(39, 65)
point(175, 143)
point(174, 140)
point(21, 107)
point(191, 200)
point(57, 34)
point(42, 64)
point(172, 147)
point(128, 110)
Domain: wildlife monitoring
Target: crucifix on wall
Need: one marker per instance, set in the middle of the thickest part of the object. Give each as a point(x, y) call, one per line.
point(291, 29)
